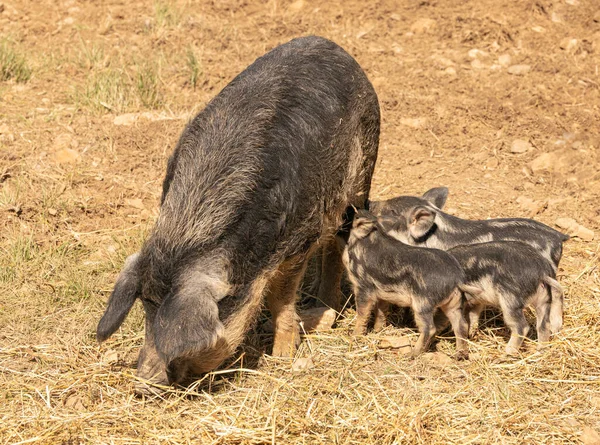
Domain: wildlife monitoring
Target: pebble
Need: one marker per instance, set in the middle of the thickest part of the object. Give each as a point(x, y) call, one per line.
point(393, 342)
point(575, 229)
point(505, 60)
point(590, 436)
point(519, 70)
point(302, 364)
point(317, 319)
point(423, 26)
point(520, 146)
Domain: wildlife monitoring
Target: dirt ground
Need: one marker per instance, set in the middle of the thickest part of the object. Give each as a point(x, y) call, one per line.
point(93, 106)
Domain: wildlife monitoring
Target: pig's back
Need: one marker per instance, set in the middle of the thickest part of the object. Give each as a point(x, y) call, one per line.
point(258, 170)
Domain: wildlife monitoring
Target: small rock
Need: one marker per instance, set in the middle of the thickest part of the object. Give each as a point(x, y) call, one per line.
point(505, 60)
point(110, 356)
point(66, 156)
point(438, 358)
point(575, 229)
point(126, 119)
point(519, 70)
point(590, 436)
point(545, 161)
point(565, 223)
point(450, 71)
point(136, 203)
point(477, 64)
point(52, 212)
point(538, 29)
point(572, 2)
point(302, 364)
point(68, 21)
point(530, 206)
point(423, 26)
point(492, 164)
point(569, 44)
point(296, 6)
point(520, 146)
point(317, 319)
point(391, 342)
point(74, 402)
point(413, 122)
point(556, 17)
point(63, 140)
point(477, 54)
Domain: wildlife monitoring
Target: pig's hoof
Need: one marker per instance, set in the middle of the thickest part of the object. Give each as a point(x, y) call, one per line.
point(150, 389)
point(286, 345)
point(512, 351)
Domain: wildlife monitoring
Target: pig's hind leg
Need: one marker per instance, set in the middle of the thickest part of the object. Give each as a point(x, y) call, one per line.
point(454, 309)
point(516, 322)
point(427, 329)
point(542, 301)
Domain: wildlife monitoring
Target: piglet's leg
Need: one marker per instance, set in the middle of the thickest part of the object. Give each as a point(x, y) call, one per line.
point(542, 313)
point(426, 325)
point(365, 303)
point(475, 310)
point(381, 315)
point(455, 311)
point(331, 275)
point(281, 300)
point(515, 320)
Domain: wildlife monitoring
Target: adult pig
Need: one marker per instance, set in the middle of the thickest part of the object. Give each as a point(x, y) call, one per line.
point(259, 179)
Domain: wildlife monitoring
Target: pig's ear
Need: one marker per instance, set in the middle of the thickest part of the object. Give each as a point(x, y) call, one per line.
point(421, 221)
point(127, 289)
point(437, 196)
point(187, 322)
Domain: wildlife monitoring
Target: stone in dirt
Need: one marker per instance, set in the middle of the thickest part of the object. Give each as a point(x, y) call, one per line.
point(317, 319)
point(66, 156)
point(136, 203)
point(575, 229)
point(400, 343)
point(519, 70)
point(438, 358)
point(418, 122)
point(530, 206)
point(504, 60)
point(74, 402)
point(569, 44)
point(423, 26)
point(520, 146)
point(590, 436)
point(302, 364)
point(63, 140)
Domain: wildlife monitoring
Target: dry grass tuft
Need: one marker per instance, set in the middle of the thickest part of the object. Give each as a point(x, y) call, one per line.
point(13, 65)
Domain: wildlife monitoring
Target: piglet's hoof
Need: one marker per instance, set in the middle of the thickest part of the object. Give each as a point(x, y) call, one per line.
point(461, 355)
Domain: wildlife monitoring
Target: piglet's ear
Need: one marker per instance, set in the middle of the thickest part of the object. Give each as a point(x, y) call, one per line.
point(421, 221)
point(364, 223)
point(437, 196)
